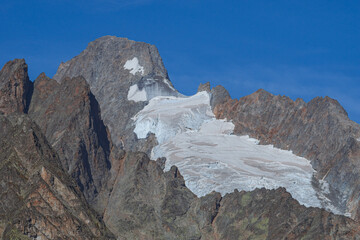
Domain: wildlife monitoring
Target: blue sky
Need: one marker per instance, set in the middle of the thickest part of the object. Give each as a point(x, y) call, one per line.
point(295, 48)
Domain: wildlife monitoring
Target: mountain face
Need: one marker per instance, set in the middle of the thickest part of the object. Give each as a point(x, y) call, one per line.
point(319, 130)
point(71, 144)
point(69, 115)
point(123, 75)
point(38, 199)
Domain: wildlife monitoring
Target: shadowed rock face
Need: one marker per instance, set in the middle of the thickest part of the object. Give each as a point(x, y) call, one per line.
point(109, 66)
point(319, 130)
point(218, 94)
point(37, 198)
point(147, 203)
point(15, 87)
point(69, 115)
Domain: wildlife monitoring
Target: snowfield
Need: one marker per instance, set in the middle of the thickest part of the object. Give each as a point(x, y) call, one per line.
point(134, 66)
point(211, 159)
point(136, 95)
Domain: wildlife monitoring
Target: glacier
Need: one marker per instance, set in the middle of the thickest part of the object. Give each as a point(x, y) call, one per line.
point(210, 158)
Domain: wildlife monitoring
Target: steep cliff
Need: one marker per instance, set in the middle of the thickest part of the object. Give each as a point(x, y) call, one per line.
point(70, 117)
point(15, 87)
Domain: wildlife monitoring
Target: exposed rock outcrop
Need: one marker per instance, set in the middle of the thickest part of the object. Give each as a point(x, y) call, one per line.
point(15, 87)
point(70, 117)
point(319, 130)
point(38, 200)
point(218, 94)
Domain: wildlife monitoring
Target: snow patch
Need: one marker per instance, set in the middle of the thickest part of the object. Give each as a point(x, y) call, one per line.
point(167, 82)
point(167, 116)
point(358, 139)
point(134, 66)
point(136, 95)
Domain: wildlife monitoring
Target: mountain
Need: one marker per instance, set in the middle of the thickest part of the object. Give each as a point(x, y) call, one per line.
point(112, 66)
point(82, 154)
point(38, 199)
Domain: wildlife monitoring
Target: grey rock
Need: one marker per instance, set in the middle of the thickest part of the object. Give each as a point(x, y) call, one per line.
point(102, 65)
point(15, 87)
point(218, 94)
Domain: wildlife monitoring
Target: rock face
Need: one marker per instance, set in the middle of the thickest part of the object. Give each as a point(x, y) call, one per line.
point(70, 117)
point(147, 203)
point(15, 87)
point(218, 94)
point(319, 130)
point(38, 199)
point(123, 75)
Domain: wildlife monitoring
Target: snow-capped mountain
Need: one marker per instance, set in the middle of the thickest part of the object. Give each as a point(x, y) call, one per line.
point(112, 150)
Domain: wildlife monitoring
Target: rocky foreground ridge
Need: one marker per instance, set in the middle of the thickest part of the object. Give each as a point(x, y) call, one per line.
point(69, 169)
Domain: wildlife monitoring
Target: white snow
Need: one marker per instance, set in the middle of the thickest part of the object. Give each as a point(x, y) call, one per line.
point(136, 95)
point(167, 82)
point(167, 116)
point(210, 158)
point(134, 66)
point(358, 139)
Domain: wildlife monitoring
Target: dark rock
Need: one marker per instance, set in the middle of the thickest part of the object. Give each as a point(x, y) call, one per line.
point(274, 214)
point(15, 87)
point(147, 203)
point(218, 94)
point(69, 115)
point(37, 198)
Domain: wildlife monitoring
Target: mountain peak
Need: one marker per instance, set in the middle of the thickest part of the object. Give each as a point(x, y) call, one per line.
point(15, 87)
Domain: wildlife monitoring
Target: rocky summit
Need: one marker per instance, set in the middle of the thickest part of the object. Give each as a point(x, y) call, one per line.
point(82, 156)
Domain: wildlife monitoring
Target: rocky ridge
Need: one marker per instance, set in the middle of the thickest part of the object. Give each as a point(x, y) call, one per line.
point(69, 115)
point(319, 130)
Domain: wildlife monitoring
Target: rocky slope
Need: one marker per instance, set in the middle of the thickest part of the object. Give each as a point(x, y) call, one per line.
point(38, 200)
point(69, 115)
point(319, 130)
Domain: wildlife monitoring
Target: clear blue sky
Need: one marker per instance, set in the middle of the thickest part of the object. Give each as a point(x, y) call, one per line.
point(294, 48)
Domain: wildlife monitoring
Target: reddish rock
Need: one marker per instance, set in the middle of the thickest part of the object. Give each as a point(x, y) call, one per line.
point(38, 199)
point(319, 130)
